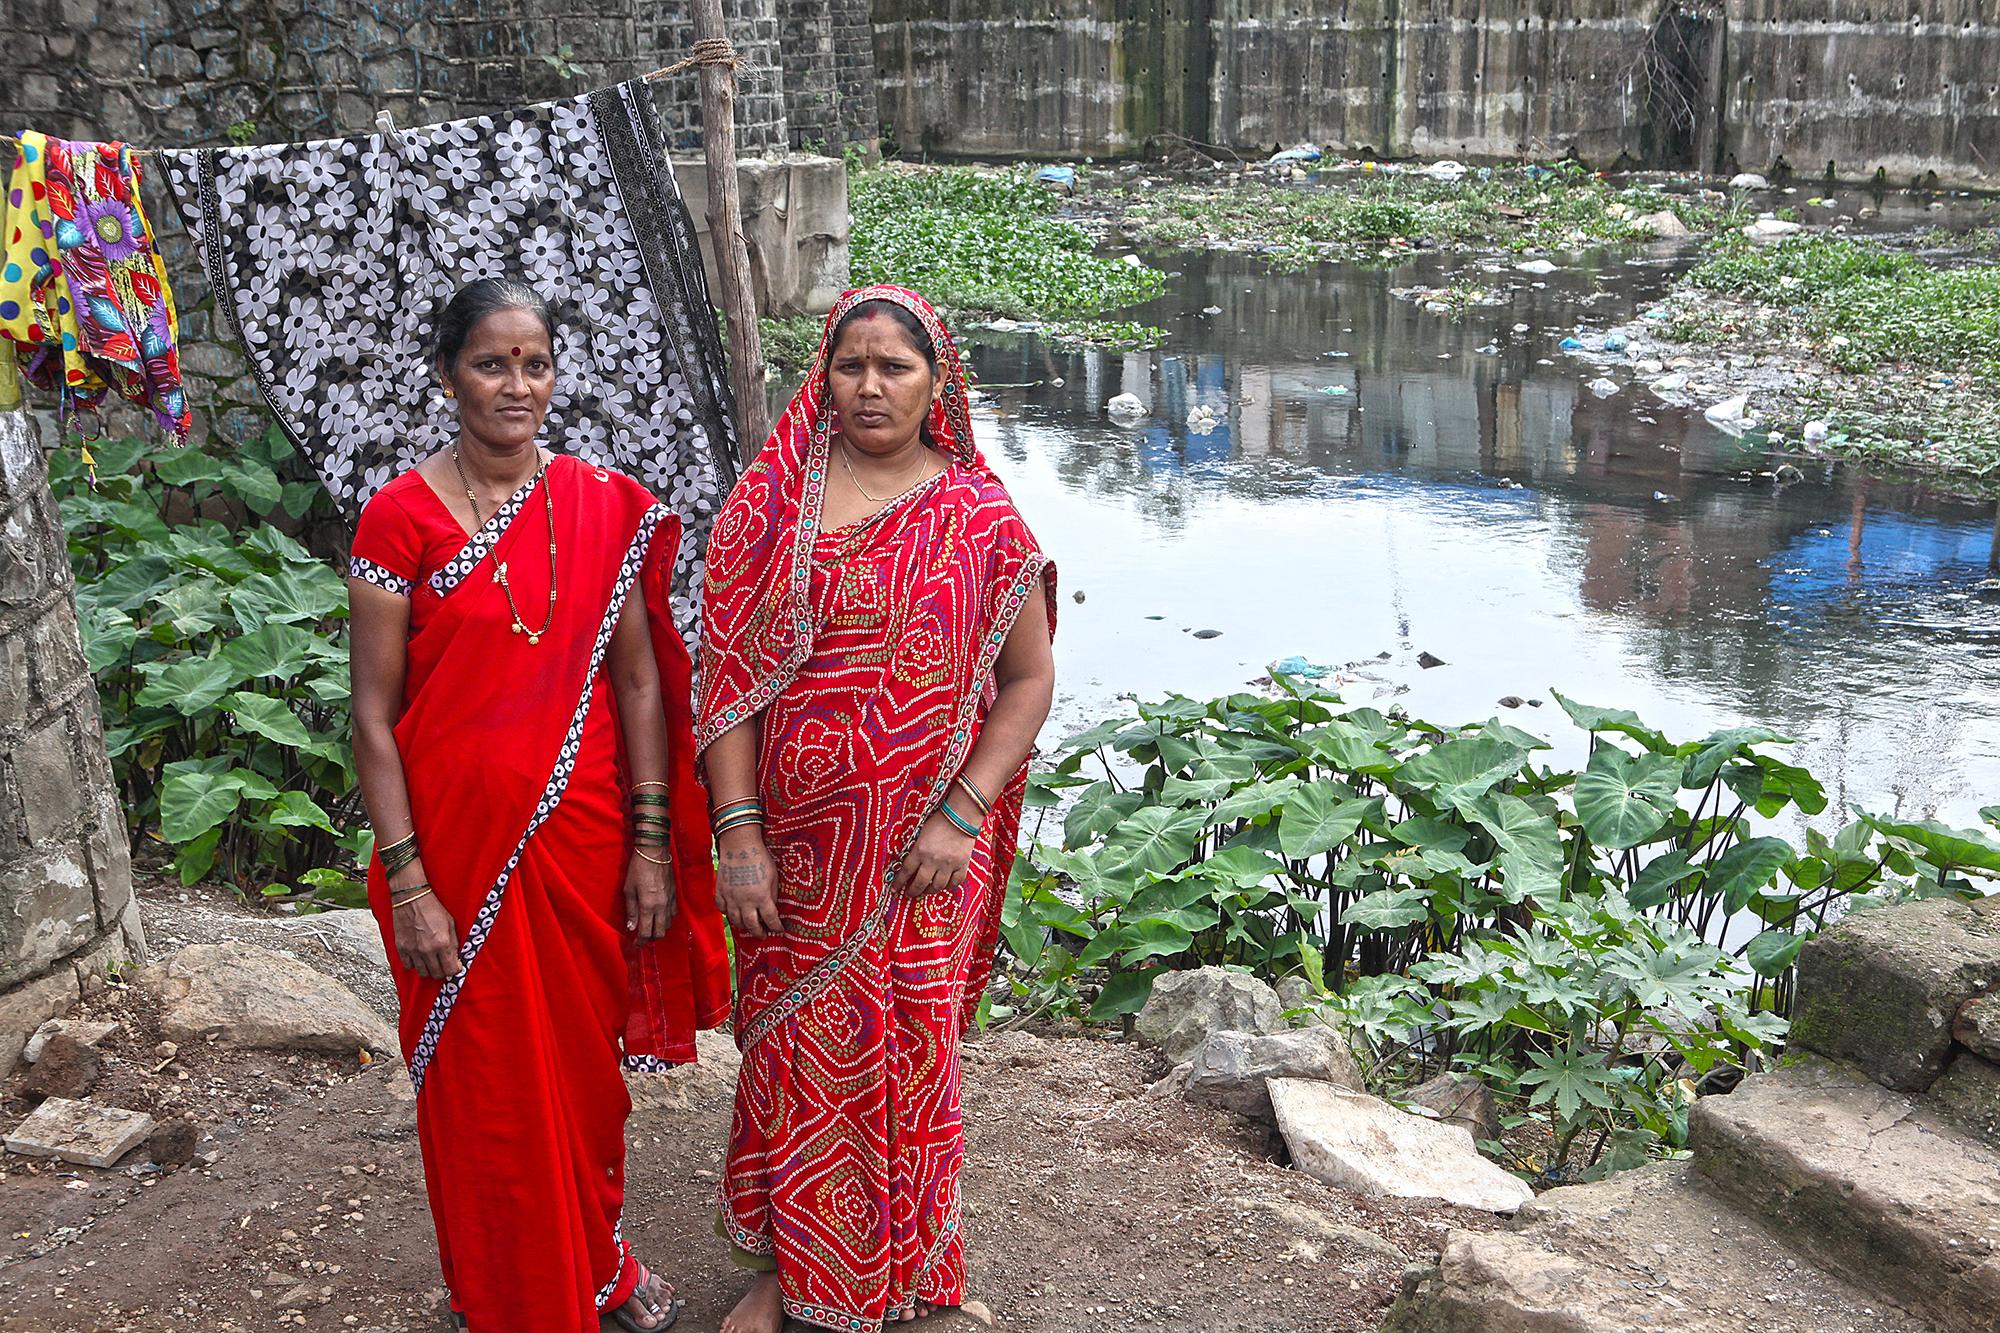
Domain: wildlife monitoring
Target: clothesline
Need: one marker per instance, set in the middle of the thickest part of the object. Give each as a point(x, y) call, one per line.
point(708, 51)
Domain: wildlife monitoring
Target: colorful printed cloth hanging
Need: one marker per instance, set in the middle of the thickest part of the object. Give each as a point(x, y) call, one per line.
point(331, 259)
point(94, 309)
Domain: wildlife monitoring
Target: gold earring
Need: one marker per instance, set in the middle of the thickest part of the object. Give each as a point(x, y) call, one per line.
point(450, 392)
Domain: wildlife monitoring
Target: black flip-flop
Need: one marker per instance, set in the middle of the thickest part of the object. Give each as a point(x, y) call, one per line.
point(643, 1289)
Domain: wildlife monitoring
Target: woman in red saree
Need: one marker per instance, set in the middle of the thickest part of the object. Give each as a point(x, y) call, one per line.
point(522, 705)
point(875, 665)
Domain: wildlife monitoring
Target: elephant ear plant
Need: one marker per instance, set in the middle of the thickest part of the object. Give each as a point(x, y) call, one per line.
point(217, 644)
point(1594, 943)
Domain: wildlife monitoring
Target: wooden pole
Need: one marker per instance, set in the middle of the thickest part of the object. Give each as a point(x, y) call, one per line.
point(725, 234)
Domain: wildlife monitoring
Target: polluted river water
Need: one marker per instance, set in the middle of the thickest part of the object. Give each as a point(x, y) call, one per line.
point(1368, 485)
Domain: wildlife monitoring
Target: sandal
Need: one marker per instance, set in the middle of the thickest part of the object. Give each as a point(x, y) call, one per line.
point(643, 1292)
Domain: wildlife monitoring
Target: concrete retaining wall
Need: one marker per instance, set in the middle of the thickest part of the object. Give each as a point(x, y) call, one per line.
point(1755, 84)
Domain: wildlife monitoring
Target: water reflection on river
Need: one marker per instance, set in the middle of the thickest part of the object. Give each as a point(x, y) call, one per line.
point(1491, 511)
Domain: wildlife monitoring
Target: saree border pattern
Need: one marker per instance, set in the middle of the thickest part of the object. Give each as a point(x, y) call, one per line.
point(454, 571)
point(386, 579)
point(552, 794)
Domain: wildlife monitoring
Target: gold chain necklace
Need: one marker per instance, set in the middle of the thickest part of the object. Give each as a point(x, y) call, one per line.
point(923, 467)
point(549, 507)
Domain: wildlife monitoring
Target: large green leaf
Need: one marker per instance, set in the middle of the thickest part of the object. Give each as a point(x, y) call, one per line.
point(1317, 818)
point(1531, 856)
point(1574, 1078)
point(1945, 847)
point(1387, 909)
point(1722, 746)
point(193, 607)
point(1342, 745)
point(1153, 841)
point(1253, 802)
point(295, 809)
point(188, 467)
point(132, 583)
point(275, 650)
point(108, 634)
point(212, 552)
point(1741, 871)
point(1462, 770)
point(1620, 720)
point(269, 541)
point(290, 596)
point(1431, 834)
point(1774, 951)
point(1154, 937)
point(252, 483)
point(1098, 810)
point(1193, 791)
point(1125, 993)
point(192, 803)
point(1237, 867)
point(268, 717)
point(190, 686)
point(1624, 799)
point(1656, 883)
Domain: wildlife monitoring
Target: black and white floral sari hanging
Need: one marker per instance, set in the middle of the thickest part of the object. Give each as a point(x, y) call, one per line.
point(330, 260)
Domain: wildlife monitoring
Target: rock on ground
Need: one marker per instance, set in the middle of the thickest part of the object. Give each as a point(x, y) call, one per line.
point(1645, 1249)
point(1881, 989)
point(77, 1029)
point(1362, 1143)
point(66, 1068)
point(1665, 225)
point(1186, 1008)
point(80, 1132)
point(1230, 1069)
point(1968, 1095)
point(1978, 1025)
point(244, 996)
point(1462, 1100)
point(1863, 1180)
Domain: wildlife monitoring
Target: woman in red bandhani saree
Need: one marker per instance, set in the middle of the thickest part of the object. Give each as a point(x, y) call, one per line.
point(875, 665)
point(522, 705)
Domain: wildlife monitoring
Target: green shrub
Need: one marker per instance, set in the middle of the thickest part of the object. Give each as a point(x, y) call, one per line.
point(217, 643)
point(1467, 906)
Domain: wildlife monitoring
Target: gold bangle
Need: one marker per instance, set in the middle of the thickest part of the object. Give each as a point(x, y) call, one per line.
point(649, 783)
point(640, 853)
point(415, 897)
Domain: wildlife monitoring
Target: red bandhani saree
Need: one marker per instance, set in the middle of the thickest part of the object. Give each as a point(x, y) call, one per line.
point(512, 752)
point(869, 653)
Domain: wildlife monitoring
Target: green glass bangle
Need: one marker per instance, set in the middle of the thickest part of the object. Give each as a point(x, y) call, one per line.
point(958, 821)
point(740, 821)
point(649, 798)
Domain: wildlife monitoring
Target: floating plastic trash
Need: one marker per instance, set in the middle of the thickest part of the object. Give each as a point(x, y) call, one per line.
point(1571, 344)
point(1616, 342)
point(1603, 388)
point(1301, 668)
point(1291, 157)
point(1491, 349)
point(1125, 407)
point(1336, 390)
point(1065, 177)
point(1538, 267)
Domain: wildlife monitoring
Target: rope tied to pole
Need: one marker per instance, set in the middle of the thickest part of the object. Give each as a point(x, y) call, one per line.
point(707, 51)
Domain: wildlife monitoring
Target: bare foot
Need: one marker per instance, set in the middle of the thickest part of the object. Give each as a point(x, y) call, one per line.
point(650, 1305)
point(762, 1309)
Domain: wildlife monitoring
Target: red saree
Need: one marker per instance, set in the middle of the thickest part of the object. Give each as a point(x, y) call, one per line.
point(512, 752)
point(869, 654)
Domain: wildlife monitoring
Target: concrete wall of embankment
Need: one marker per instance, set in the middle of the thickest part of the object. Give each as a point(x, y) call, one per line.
point(1911, 90)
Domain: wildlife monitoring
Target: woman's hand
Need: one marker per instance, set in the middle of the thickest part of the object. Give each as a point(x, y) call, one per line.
point(426, 936)
point(938, 860)
point(746, 885)
point(650, 902)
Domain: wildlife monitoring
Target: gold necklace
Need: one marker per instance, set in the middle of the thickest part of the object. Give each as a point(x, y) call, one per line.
point(923, 467)
point(500, 575)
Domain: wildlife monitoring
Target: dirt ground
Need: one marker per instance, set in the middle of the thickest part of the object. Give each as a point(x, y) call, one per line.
point(1090, 1205)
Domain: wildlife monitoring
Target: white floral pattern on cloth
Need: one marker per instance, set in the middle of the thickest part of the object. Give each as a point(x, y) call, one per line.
point(331, 259)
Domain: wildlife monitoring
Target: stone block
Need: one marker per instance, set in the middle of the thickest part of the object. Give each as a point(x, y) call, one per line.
point(173, 64)
point(1881, 989)
point(87, 1031)
point(1968, 1094)
point(67, 1068)
point(1231, 1069)
point(1459, 1099)
point(113, 55)
point(1978, 1025)
point(213, 360)
point(47, 911)
point(39, 92)
point(1353, 1141)
point(80, 1132)
point(208, 39)
point(56, 653)
point(1187, 1008)
point(45, 771)
point(218, 65)
point(26, 1007)
point(250, 998)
